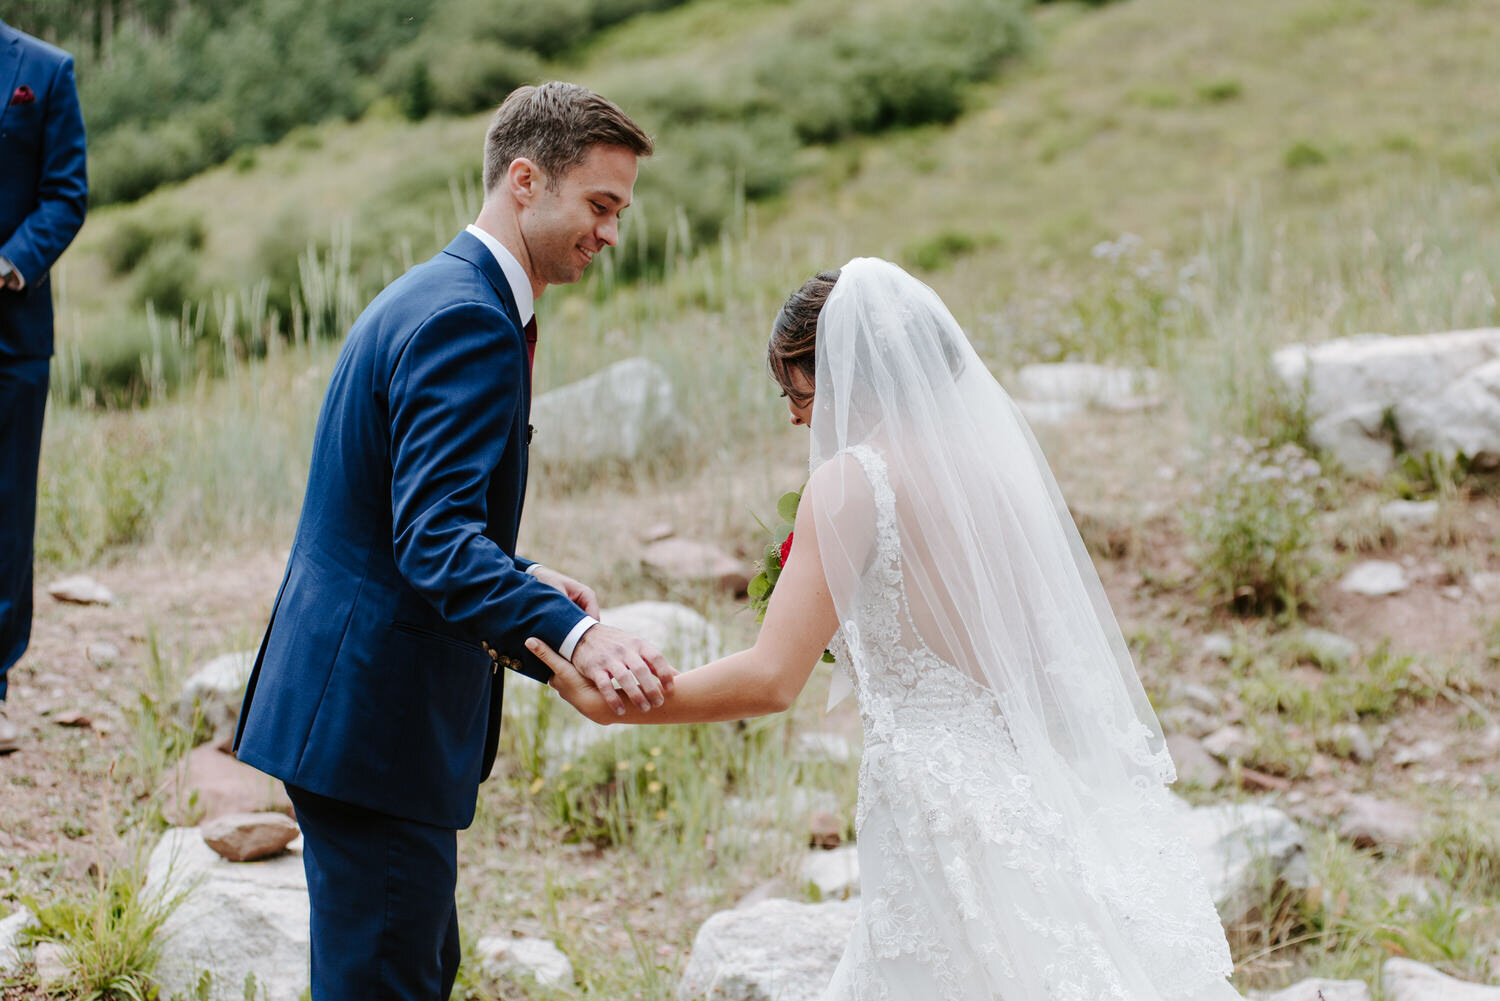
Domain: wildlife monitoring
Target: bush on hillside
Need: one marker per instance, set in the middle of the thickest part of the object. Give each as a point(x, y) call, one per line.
point(134, 238)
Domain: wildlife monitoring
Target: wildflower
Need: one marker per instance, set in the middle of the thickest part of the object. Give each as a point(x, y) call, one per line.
point(536, 785)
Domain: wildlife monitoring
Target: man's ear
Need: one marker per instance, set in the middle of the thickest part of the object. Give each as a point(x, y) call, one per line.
point(524, 178)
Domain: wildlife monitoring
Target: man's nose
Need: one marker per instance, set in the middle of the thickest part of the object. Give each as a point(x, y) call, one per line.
point(609, 233)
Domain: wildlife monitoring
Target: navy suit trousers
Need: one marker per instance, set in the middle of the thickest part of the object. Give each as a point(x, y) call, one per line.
point(23, 400)
point(384, 923)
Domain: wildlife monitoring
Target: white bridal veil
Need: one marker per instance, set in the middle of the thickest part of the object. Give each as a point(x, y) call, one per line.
point(997, 582)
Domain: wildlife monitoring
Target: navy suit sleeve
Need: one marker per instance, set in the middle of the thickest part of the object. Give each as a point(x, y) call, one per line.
point(451, 413)
point(62, 192)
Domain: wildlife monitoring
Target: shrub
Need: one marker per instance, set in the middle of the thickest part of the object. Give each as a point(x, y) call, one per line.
point(939, 251)
point(1254, 528)
point(134, 238)
point(476, 75)
point(1302, 154)
point(167, 279)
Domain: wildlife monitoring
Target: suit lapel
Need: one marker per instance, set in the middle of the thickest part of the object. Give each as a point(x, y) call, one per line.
point(10, 66)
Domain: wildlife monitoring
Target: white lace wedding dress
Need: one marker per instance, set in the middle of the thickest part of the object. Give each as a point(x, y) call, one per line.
point(974, 888)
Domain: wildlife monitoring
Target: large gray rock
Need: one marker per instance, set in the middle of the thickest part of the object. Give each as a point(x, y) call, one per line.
point(1408, 980)
point(1243, 848)
point(1440, 388)
point(1462, 420)
point(10, 934)
point(776, 950)
point(214, 693)
point(1320, 990)
point(234, 920)
point(622, 414)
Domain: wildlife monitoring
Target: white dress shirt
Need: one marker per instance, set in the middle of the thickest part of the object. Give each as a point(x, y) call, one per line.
point(520, 288)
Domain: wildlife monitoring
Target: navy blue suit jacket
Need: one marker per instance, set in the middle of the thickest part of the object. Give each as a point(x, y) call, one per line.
point(372, 686)
point(43, 182)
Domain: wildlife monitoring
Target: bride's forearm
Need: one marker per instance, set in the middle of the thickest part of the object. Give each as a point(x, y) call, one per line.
point(738, 686)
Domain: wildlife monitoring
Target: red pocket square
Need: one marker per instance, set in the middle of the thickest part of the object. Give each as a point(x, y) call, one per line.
point(23, 95)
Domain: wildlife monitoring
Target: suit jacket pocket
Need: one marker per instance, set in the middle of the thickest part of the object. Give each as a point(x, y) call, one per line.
point(423, 633)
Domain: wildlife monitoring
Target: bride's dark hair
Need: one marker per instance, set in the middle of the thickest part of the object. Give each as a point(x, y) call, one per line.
point(794, 335)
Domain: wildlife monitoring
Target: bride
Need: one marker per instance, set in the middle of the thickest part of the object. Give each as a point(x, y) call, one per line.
point(1016, 839)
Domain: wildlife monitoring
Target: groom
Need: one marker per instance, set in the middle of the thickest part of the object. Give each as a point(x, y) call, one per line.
point(376, 694)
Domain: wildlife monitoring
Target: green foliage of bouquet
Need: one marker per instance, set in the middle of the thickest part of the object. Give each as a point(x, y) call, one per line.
point(777, 551)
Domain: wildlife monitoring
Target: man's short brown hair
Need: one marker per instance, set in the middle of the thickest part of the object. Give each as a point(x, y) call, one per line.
point(554, 126)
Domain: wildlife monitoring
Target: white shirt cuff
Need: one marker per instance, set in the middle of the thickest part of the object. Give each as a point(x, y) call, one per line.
point(568, 645)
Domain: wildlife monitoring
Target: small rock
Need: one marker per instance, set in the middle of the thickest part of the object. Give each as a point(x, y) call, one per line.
point(1187, 720)
point(1238, 845)
point(1408, 980)
point(834, 873)
point(10, 931)
point(1374, 579)
point(81, 590)
point(1409, 514)
point(1408, 886)
point(657, 532)
point(1369, 822)
point(51, 959)
point(101, 654)
point(1350, 740)
point(1486, 585)
point(825, 830)
point(818, 747)
point(685, 561)
point(1199, 697)
point(1229, 743)
point(1452, 592)
point(1195, 766)
point(1422, 750)
point(519, 959)
point(1218, 645)
point(1321, 990)
point(1328, 649)
point(248, 837)
point(72, 717)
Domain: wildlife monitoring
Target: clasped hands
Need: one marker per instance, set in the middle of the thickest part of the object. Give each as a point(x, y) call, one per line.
point(607, 662)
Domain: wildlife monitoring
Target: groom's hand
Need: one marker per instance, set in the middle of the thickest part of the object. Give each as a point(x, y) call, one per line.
point(579, 594)
point(606, 655)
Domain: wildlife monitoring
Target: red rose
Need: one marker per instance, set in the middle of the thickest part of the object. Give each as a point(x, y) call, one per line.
point(786, 548)
point(23, 95)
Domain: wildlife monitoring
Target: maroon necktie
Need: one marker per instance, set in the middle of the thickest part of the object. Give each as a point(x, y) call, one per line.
point(531, 343)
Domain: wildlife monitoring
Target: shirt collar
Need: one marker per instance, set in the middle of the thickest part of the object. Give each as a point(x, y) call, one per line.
point(520, 285)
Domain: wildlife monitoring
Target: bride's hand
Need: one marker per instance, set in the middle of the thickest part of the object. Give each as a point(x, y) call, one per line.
point(575, 689)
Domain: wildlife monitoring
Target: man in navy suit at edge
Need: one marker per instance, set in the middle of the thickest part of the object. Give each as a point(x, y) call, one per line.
point(376, 693)
point(43, 196)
